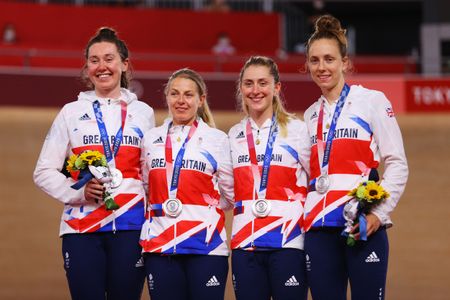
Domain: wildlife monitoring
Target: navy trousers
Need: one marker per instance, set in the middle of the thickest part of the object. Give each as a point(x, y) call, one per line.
point(279, 274)
point(104, 265)
point(330, 264)
point(186, 276)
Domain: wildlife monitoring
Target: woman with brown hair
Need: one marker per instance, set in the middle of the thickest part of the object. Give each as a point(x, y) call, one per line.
point(100, 244)
point(352, 130)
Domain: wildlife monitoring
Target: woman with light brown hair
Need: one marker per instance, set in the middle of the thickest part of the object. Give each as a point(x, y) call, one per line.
point(270, 151)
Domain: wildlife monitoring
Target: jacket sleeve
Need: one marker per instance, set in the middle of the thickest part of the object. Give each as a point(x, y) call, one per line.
point(225, 174)
point(144, 166)
point(304, 148)
point(152, 118)
point(388, 137)
point(47, 174)
point(150, 123)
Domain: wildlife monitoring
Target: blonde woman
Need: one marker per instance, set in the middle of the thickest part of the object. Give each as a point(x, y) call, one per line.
point(270, 151)
point(190, 185)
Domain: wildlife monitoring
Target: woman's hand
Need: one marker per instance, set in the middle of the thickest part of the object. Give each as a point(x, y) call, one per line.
point(373, 223)
point(93, 191)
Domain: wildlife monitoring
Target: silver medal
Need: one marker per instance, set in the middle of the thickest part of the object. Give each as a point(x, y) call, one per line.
point(322, 183)
point(261, 208)
point(116, 177)
point(172, 207)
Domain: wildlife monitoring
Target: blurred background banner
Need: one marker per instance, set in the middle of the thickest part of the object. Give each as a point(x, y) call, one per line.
point(399, 47)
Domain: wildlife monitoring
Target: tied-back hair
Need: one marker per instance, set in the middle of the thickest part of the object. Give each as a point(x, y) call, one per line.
point(328, 27)
point(281, 115)
point(203, 111)
point(107, 34)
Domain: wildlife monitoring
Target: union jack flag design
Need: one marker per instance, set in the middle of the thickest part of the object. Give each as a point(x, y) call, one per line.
point(205, 189)
point(286, 188)
point(75, 130)
point(366, 134)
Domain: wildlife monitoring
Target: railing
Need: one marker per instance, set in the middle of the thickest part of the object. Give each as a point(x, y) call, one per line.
point(156, 61)
point(53, 55)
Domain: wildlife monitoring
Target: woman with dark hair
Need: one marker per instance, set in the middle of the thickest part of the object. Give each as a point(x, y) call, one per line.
point(190, 186)
point(352, 130)
point(270, 151)
point(100, 244)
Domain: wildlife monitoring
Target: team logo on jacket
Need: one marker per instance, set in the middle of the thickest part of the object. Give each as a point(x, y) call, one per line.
point(314, 115)
point(240, 135)
point(84, 117)
point(390, 112)
point(158, 140)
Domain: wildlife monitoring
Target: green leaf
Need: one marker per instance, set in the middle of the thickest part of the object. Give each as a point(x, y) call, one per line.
point(110, 204)
point(350, 241)
point(103, 162)
point(79, 164)
point(360, 192)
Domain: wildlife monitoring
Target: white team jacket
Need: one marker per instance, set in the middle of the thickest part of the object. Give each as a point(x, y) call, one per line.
point(75, 130)
point(367, 134)
point(286, 187)
point(205, 189)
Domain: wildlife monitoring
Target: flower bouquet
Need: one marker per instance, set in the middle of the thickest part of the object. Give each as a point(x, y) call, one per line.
point(91, 164)
point(366, 196)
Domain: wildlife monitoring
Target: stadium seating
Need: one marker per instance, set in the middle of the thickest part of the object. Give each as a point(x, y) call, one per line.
point(53, 36)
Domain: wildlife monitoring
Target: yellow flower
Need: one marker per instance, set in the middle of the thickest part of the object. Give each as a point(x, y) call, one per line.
point(90, 157)
point(374, 192)
point(71, 163)
point(84, 159)
point(369, 192)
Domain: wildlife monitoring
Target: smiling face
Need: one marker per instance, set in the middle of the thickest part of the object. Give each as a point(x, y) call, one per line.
point(184, 100)
point(327, 67)
point(104, 68)
point(258, 89)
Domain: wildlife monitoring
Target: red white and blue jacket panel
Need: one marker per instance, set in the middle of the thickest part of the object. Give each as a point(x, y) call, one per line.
point(205, 189)
point(75, 130)
point(367, 133)
point(286, 187)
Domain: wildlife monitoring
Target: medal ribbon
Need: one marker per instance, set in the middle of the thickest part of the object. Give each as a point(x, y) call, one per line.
point(109, 154)
point(324, 154)
point(261, 178)
point(104, 134)
point(173, 169)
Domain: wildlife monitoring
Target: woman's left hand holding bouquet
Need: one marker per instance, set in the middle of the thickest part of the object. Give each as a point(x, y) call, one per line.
point(373, 223)
point(93, 191)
